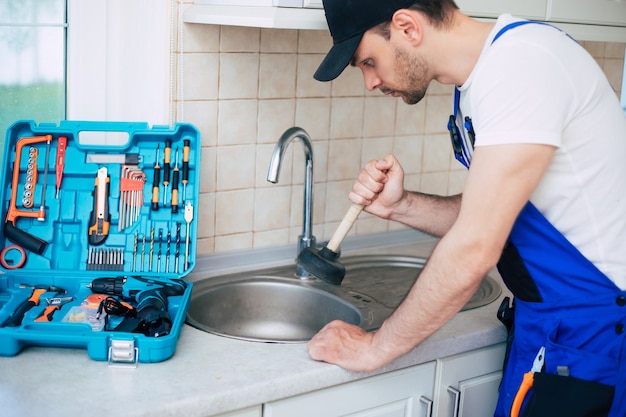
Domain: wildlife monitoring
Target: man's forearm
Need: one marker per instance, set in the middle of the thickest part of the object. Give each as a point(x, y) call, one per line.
point(429, 213)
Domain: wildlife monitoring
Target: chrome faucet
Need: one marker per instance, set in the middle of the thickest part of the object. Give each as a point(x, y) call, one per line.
point(306, 239)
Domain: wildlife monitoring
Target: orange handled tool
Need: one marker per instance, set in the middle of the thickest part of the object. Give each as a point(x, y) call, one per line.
point(34, 299)
point(100, 218)
point(175, 179)
point(527, 382)
point(54, 304)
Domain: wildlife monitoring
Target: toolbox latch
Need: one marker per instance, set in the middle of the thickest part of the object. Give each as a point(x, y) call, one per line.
point(123, 353)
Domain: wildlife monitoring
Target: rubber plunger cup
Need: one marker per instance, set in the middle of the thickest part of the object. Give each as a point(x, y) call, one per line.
point(323, 264)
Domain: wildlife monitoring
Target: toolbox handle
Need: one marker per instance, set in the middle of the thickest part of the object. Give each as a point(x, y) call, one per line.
point(117, 136)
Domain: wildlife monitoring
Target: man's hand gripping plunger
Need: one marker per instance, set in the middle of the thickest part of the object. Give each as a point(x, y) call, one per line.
point(380, 188)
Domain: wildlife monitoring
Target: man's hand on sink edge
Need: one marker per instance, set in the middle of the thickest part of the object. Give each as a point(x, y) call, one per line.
point(345, 345)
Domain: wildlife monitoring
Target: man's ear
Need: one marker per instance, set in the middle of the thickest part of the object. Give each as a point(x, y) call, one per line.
point(406, 22)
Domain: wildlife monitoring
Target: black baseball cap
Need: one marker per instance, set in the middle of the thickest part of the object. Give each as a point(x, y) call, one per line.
point(348, 20)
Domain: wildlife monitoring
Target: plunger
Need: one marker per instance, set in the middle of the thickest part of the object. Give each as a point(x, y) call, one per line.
point(323, 263)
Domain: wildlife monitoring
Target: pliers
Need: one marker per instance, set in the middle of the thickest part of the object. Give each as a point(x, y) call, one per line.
point(527, 382)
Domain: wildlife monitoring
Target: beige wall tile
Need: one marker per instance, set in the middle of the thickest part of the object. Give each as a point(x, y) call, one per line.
point(206, 215)
point(344, 159)
point(337, 200)
point(201, 38)
point(313, 115)
point(200, 78)
point(615, 49)
point(269, 238)
point(275, 116)
point(234, 212)
point(269, 208)
point(239, 76)
point(410, 120)
point(235, 167)
point(207, 170)
point(237, 122)
point(436, 156)
point(379, 116)
point(348, 84)
point(277, 76)
point(240, 39)
point(263, 156)
point(434, 183)
point(307, 86)
point(410, 152)
point(234, 242)
point(314, 41)
point(203, 115)
point(346, 117)
point(438, 109)
point(279, 41)
point(374, 149)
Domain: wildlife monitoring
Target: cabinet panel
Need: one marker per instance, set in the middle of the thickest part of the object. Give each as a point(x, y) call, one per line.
point(532, 9)
point(468, 382)
point(478, 396)
point(395, 394)
point(247, 412)
point(603, 12)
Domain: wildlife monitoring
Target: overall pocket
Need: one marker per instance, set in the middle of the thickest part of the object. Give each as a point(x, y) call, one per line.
point(557, 395)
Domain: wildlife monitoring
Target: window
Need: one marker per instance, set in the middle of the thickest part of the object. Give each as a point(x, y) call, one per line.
point(32, 74)
point(623, 100)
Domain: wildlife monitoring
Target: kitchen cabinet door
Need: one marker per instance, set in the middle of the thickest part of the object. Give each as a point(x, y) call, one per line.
point(466, 385)
point(402, 393)
point(601, 12)
point(530, 9)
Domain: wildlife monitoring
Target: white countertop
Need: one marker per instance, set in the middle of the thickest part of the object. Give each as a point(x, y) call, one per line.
point(208, 374)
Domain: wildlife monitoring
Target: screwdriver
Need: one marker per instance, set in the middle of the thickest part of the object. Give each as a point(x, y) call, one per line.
point(155, 182)
point(60, 164)
point(166, 169)
point(175, 178)
point(186, 143)
point(188, 218)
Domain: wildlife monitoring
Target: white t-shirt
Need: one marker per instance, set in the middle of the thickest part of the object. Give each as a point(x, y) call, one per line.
point(536, 85)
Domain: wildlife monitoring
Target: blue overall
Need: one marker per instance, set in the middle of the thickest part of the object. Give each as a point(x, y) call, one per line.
point(568, 306)
point(562, 302)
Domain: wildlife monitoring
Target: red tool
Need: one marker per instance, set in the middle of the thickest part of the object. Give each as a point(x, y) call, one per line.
point(60, 164)
point(527, 382)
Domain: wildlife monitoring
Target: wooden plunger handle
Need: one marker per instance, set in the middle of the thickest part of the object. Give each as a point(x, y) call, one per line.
point(344, 227)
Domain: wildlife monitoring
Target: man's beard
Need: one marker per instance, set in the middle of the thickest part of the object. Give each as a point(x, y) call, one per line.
point(411, 73)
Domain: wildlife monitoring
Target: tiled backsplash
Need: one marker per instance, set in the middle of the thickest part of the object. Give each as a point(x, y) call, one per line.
point(243, 87)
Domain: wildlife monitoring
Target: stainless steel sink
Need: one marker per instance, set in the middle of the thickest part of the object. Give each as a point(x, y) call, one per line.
point(267, 309)
point(272, 305)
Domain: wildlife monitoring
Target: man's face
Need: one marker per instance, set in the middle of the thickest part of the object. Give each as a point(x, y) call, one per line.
point(390, 68)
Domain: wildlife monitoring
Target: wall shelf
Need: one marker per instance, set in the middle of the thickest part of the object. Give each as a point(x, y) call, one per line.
point(265, 17)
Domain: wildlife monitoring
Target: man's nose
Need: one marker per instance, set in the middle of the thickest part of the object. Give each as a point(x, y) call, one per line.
point(372, 82)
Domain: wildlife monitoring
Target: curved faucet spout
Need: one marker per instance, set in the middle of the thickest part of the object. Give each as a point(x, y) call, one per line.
point(306, 239)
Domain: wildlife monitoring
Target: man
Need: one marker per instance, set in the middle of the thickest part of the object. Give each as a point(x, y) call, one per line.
point(544, 199)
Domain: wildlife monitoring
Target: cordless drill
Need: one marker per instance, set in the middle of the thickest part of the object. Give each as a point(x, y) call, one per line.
point(150, 295)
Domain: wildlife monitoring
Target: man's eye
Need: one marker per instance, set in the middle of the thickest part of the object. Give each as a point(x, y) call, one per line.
point(368, 63)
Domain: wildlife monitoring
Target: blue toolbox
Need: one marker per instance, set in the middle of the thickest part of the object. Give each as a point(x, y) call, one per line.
point(100, 226)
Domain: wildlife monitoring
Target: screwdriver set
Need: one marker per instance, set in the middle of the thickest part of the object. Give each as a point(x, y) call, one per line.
point(100, 224)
